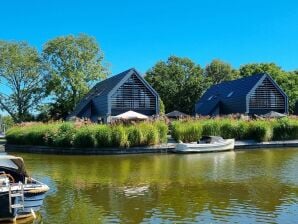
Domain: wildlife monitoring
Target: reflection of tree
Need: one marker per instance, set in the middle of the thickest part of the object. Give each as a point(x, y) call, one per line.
point(134, 188)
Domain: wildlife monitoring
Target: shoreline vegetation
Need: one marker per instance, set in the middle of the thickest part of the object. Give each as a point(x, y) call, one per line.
point(258, 130)
point(149, 133)
point(88, 135)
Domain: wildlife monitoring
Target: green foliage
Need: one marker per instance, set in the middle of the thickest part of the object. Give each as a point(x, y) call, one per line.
point(119, 136)
point(266, 130)
point(261, 131)
point(74, 64)
point(218, 71)
point(187, 131)
point(21, 70)
point(85, 137)
point(285, 129)
point(135, 136)
point(65, 135)
point(179, 83)
point(162, 131)
point(161, 107)
point(6, 122)
point(103, 136)
point(151, 136)
point(211, 127)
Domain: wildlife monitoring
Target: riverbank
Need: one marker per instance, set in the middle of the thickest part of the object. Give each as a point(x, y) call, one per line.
point(163, 148)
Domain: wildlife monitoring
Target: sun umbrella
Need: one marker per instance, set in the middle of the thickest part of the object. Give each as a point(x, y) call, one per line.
point(131, 115)
point(273, 114)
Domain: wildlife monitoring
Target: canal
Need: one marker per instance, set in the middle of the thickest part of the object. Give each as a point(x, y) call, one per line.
point(230, 187)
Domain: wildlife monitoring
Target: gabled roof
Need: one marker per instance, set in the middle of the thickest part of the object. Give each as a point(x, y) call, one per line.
point(105, 87)
point(101, 88)
point(238, 87)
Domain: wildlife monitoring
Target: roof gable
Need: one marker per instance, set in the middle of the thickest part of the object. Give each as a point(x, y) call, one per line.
point(108, 86)
point(238, 87)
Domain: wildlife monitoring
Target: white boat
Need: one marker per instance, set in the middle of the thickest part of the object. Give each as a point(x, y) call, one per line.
point(20, 195)
point(206, 144)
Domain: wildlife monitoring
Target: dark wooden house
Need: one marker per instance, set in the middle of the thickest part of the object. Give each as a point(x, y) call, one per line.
point(118, 94)
point(256, 94)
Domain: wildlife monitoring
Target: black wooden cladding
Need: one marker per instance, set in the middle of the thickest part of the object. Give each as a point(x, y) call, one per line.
point(133, 94)
point(266, 96)
point(117, 94)
point(256, 94)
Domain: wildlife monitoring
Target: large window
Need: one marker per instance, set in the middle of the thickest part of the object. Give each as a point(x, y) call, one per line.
point(133, 94)
point(266, 96)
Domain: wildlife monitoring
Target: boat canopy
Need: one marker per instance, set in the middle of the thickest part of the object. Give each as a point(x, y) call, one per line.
point(13, 163)
point(210, 139)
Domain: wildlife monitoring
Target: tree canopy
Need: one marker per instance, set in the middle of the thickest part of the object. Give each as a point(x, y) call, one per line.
point(218, 71)
point(179, 83)
point(21, 78)
point(74, 64)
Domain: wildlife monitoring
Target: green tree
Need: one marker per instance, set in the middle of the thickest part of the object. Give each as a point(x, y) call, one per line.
point(22, 79)
point(288, 81)
point(179, 83)
point(161, 107)
point(74, 63)
point(218, 71)
point(6, 122)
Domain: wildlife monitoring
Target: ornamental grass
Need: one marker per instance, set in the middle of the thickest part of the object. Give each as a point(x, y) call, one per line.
point(88, 135)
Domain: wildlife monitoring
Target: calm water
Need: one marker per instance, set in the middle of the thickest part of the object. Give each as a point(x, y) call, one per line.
point(234, 187)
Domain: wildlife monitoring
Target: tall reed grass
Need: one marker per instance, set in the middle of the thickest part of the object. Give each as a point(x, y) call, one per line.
point(68, 134)
point(259, 130)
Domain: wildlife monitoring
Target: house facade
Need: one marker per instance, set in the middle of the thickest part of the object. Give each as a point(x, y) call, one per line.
point(256, 94)
point(118, 94)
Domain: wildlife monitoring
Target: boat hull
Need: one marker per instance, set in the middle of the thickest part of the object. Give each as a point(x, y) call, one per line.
point(32, 203)
point(226, 145)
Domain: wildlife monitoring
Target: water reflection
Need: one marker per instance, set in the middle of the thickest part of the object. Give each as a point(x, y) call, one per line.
point(255, 186)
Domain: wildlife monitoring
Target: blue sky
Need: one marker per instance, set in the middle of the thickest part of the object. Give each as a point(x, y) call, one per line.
point(140, 33)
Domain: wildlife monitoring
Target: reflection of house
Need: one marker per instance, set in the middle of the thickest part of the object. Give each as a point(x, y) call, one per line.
point(256, 94)
point(118, 94)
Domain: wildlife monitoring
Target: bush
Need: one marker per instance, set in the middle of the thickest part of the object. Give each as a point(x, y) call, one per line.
point(65, 135)
point(285, 129)
point(119, 136)
point(260, 131)
point(186, 131)
point(85, 137)
point(135, 136)
point(103, 136)
point(211, 127)
point(162, 131)
point(15, 136)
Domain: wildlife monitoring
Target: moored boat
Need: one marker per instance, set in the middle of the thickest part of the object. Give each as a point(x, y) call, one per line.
point(206, 144)
point(20, 195)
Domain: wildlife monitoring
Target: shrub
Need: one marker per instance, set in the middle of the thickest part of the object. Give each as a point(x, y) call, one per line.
point(186, 131)
point(85, 137)
point(162, 131)
point(260, 131)
point(135, 136)
point(211, 127)
point(103, 136)
point(15, 136)
point(119, 136)
point(285, 129)
point(151, 135)
point(228, 130)
point(65, 135)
